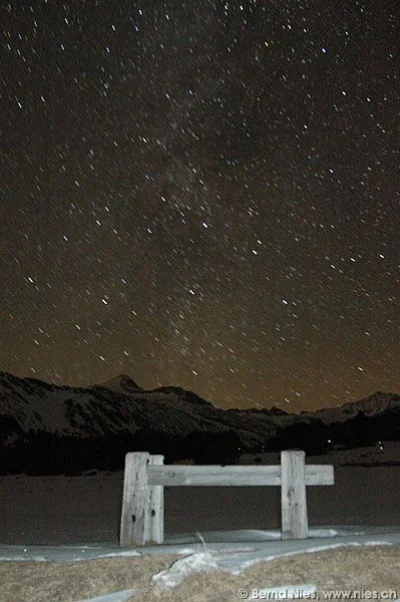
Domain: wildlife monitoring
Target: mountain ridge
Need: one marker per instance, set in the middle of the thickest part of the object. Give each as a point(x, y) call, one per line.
point(118, 416)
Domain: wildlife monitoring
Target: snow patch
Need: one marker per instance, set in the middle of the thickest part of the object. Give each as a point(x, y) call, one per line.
point(121, 596)
point(185, 567)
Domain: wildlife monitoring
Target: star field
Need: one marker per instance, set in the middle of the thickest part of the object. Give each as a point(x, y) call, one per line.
point(202, 194)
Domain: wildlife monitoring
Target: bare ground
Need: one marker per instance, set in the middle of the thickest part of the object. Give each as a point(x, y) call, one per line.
point(354, 568)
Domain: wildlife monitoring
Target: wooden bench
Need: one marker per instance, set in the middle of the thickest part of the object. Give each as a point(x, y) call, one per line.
point(142, 517)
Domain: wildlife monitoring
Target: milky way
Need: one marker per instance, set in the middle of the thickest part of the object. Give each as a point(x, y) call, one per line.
point(204, 194)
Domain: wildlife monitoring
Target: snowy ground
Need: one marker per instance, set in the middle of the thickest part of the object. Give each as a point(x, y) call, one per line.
point(73, 518)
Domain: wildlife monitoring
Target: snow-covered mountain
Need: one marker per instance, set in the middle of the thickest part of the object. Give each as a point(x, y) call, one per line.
point(118, 415)
point(373, 405)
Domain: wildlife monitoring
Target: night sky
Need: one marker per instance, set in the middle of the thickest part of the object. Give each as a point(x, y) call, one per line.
point(202, 194)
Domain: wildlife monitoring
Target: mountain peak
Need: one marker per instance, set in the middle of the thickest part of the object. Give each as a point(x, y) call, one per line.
point(122, 381)
point(374, 404)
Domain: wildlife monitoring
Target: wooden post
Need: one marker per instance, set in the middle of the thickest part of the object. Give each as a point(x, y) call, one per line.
point(135, 500)
point(293, 495)
point(155, 523)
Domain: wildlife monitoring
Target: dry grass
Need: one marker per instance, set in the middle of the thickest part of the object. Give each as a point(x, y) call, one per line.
point(375, 568)
point(354, 568)
point(67, 582)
